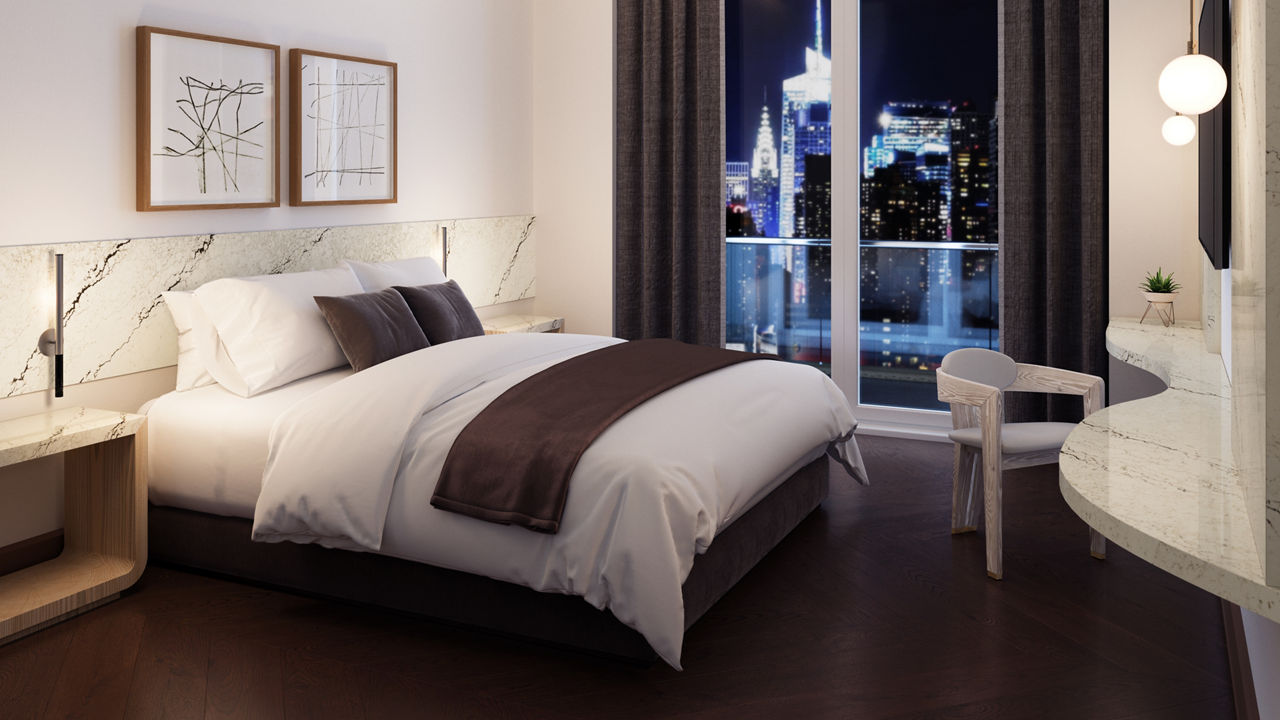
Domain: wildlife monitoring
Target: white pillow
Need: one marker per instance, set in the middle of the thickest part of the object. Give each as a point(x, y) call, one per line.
point(192, 372)
point(271, 327)
point(411, 272)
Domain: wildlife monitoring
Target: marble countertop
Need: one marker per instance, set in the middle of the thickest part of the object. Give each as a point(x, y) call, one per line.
point(1156, 475)
point(521, 323)
point(49, 433)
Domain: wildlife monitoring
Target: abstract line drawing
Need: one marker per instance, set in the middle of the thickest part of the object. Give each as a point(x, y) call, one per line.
point(208, 122)
point(218, 135)
point(343, 122)
point(350, 136)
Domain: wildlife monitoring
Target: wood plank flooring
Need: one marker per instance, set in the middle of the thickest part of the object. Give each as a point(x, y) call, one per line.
point(870, 609)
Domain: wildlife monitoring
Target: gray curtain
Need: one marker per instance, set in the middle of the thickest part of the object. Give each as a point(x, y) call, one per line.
point(669, 170)
point(1053, 192)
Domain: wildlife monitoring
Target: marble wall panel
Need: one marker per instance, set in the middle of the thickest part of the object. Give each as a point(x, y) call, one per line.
point(114, 319)
point(1249, 263)
point(1268, 89)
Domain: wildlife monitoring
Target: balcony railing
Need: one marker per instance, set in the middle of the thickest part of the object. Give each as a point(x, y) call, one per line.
point(919, 301)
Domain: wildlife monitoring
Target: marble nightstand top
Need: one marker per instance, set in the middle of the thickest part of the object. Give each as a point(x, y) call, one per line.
point(49, 433)
point(521, 324)
point(1156, 475)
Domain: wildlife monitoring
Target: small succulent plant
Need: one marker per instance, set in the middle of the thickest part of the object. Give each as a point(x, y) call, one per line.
point(1159, 283)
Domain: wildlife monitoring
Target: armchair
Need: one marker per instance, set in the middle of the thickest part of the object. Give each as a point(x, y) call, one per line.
point(973, 381)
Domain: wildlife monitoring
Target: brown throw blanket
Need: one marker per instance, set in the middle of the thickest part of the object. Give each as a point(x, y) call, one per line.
point(511, 464)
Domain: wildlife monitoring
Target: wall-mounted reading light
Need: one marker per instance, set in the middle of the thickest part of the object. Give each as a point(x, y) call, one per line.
point(444, 250)
point(51, 339)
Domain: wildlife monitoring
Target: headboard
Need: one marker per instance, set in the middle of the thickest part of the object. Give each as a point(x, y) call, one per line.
point(115, 321)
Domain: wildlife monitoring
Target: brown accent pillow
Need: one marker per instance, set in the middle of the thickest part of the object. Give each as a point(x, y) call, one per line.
point(443, 311)
point(372, 327)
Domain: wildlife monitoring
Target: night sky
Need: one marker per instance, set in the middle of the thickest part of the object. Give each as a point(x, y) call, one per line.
point(911, 50)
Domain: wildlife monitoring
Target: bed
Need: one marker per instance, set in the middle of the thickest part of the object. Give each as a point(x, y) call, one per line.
point(324, 485)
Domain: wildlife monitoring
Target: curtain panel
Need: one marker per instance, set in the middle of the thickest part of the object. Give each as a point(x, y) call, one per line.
point(669, 170)
point(1053, 192)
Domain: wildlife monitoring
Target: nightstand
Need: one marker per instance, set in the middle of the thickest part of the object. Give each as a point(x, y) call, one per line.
point(504, 324)
point(105, 520)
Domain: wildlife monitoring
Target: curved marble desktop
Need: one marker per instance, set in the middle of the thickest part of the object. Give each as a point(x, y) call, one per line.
point(1156, 476)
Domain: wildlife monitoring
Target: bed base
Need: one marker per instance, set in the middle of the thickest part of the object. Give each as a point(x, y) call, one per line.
point(221, 545)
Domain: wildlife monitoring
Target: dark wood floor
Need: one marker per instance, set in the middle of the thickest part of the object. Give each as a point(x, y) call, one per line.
point(870, 609)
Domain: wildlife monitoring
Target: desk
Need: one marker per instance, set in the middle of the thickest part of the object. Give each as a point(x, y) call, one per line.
point(1156, 475)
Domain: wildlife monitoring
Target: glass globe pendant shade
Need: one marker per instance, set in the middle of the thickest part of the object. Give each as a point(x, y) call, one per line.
point(1193, 84)
point(1178, 130)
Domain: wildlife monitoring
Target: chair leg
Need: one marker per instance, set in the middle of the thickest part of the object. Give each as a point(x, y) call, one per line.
point(1097, 544)
point(993, 497)
point(964, 491)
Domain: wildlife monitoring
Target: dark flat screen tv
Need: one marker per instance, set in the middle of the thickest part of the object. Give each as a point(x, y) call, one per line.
point(1215, 141)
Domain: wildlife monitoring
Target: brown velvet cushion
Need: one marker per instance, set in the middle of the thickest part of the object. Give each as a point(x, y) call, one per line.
point(443, 311)
point(372, 327)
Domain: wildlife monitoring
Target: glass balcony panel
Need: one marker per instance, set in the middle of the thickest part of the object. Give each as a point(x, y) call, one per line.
point(778, 298)
point(919, 301)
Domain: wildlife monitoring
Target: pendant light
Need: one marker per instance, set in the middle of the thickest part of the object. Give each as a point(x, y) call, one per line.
point(1178, 130)
point(1194, 83)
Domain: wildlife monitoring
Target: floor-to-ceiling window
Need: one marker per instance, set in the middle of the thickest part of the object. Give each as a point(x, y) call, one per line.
point(925, 186)
point(778, 178)
point(928, 260)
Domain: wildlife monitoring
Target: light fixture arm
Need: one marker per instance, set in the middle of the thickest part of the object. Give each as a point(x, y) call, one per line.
point(1191, 27)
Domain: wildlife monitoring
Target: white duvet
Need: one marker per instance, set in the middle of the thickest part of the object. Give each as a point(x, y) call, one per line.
point(354, 466)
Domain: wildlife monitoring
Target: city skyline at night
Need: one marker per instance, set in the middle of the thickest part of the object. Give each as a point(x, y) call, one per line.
point(927, 170)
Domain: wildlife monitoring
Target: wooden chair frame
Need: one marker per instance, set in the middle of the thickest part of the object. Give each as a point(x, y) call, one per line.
point(974, 404)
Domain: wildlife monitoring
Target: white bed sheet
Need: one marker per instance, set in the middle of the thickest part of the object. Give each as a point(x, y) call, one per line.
point(208, 446)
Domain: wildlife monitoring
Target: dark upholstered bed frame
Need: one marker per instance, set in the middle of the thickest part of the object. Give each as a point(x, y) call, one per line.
point(221, 545)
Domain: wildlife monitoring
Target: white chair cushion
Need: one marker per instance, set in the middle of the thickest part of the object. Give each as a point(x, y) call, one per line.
point(1018, 438)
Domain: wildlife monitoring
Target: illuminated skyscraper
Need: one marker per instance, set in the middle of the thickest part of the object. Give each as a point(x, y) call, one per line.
point(908, 125)
point(876, 156)
point(920, 130)
point(763, 188)
point(737, 180)
point(970, 174)
point(806, 124)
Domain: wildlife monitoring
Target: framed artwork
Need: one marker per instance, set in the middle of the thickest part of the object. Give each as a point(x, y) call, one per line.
point(342, 122)
point(208, 122)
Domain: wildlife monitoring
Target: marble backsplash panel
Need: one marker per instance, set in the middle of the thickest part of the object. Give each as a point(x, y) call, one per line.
point(115, 320)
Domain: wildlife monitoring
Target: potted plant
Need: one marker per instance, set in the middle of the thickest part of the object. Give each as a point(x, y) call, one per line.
point(1159, 290)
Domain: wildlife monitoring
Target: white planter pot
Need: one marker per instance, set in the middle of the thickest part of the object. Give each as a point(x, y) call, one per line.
point(1162, 303)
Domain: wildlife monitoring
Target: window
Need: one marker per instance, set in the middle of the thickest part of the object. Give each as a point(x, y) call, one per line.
point(925, 185)
point(778, 179)
point(927, 190)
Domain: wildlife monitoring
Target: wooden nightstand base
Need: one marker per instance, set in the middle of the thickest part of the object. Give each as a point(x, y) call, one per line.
point(105, 547)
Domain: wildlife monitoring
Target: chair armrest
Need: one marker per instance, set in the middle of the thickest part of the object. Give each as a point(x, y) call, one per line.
point(1040, 378)
point(959, 391)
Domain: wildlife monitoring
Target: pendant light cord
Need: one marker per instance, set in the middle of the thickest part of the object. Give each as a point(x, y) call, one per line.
point(1191, 27)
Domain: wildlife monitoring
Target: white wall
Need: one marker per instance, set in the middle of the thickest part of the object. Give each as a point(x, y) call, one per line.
point(465, 141)
point(573, 161)
point(1153, 185)
point(68, 130)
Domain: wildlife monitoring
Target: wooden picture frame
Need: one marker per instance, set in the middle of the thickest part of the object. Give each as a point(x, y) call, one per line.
point(343, 139)
point(208, 122)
